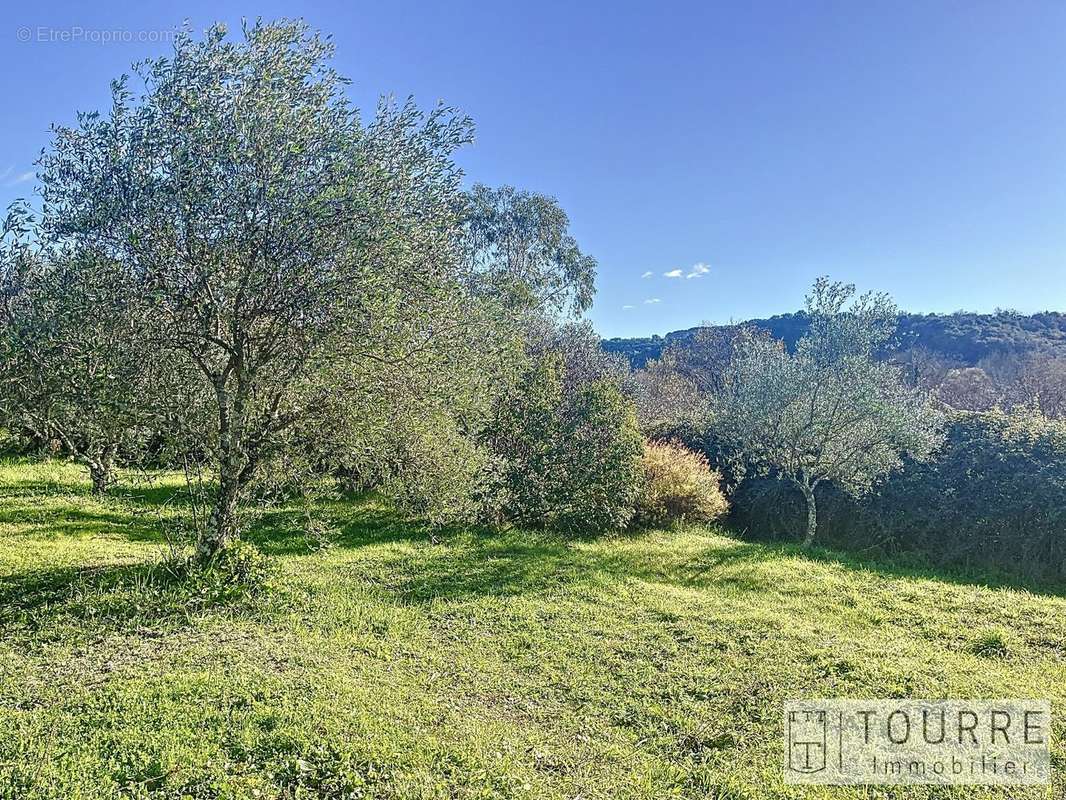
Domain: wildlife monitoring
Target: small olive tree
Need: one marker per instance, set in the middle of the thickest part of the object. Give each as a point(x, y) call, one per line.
point(75, 365)
point(828, 411)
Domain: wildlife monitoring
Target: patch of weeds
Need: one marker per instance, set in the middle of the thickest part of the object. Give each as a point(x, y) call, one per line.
point(324, 771)
point(315, 532)
point(827, 667)
point(699, 745)
point(994, 642)
point(238, 572)
point(76, 603)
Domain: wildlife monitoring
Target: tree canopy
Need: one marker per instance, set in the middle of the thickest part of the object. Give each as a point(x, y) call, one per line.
point(519, 246)
point(291, 254)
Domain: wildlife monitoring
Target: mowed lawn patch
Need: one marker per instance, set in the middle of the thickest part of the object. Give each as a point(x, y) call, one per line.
point(394, 663)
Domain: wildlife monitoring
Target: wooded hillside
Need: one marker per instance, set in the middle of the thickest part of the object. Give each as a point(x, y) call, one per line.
point(963, 337)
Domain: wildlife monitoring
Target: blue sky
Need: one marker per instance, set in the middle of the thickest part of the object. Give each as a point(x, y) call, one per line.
point(915, 147)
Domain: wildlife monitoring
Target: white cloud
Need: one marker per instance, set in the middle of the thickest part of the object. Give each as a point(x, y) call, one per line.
point(698, 270)
point(627, 308)
point(647, 274)
point(20, 178)
point(674, 273)
point(652, 300)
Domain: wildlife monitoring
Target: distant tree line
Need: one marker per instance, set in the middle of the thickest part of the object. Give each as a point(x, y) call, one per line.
point(989, 497)
point(963, 337)
point(971, 479)
point(972, 362)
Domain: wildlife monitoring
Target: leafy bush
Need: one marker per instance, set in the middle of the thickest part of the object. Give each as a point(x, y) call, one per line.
point(566, 458)
point(601, 446)
point(437, 474)
point(679, 485)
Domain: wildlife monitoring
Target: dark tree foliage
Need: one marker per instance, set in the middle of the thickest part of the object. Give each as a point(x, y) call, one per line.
point(990, 497)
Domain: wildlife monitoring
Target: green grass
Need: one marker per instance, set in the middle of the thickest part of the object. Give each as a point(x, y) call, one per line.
point(475, 665)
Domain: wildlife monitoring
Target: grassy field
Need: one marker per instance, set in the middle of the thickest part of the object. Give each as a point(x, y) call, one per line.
point(473, 665)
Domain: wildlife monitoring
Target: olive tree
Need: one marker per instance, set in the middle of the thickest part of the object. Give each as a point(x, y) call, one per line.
point(828, 411)
point(287, 251)
point(74, 366)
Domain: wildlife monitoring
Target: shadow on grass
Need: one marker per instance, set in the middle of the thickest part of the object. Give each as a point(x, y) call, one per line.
point(355, 521)
point(60, 478)
point(513, 563)
point(416, 563)
point(153, 495)
point(47, 499)
point(64, 602)
point(479, 562)
point(907, 567)
point(35, 521)
point(486, 566)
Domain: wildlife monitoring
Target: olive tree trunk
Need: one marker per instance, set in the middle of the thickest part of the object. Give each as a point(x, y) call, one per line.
point(102, 470)
point(235, 468)
point(812, 511)
point(222, 526)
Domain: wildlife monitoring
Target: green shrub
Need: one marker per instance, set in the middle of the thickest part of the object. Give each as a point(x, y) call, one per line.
point(437, 472)
point(601, 450)
point(993, 642)
point(566, 458)
point(678, 485)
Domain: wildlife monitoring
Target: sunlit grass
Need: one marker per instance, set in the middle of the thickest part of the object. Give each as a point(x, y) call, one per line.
point(470, 664)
